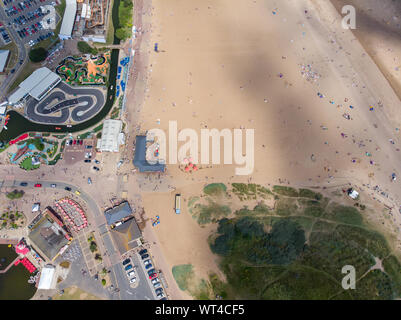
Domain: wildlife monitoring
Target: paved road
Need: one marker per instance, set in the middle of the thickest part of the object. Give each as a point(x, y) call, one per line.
point(84, 105)
point(144, 290)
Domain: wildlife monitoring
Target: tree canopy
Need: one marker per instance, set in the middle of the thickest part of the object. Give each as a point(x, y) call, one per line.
point(37, 54)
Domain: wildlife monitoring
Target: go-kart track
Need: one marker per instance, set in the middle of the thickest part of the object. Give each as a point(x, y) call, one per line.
point(88, 102)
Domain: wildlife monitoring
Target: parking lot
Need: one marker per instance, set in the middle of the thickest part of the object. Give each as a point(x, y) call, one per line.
point(30, 19)
point(79, 150)
point(5, 37)
point(139, 267)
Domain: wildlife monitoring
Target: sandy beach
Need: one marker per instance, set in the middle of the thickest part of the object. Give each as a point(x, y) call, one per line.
point(322, 107)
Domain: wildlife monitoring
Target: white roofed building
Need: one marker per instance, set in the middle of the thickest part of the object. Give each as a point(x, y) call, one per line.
point(68, 20)
point(46, 280)
point(4, 54)
point(37, 85)
point(111, 136)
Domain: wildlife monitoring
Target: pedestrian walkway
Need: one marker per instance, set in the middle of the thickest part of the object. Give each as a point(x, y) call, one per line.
point(10, 265)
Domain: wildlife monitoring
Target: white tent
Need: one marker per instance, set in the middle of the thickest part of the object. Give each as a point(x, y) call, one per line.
point(46, 277)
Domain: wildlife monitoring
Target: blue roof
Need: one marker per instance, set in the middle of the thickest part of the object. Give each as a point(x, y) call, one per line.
point(140, 157)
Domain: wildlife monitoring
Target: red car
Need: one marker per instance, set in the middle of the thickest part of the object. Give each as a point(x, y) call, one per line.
point(75, 142)
point(38, 185)
point(152, 276)
point(58, 128)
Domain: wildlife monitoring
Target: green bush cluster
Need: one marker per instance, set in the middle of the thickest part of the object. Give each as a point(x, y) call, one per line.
point(16, 194)
point(84, 47)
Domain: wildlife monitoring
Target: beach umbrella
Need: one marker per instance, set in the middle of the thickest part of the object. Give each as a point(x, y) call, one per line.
point(190, 165)
point(186, 169)
point(195, 168)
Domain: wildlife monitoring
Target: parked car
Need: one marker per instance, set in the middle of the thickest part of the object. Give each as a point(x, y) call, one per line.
point(53, 185)
point(128, 260)
point(97, 161)
point(23, 184)
point(151, 271)
point(38, 185)
point(155, 280)
point(146, 262)
point(145, 256)
point(87, 160)
point(157, 285)
point(148, 266)
point(159, 290)
point(132, 280)
point(96, 168)
point(152, 276)
point(88, 147)
point(89, 180)
point(77, 192)
point(142, 252)
point(131, 274)
point(128, 267)
point(161, 296)
point(67, 188)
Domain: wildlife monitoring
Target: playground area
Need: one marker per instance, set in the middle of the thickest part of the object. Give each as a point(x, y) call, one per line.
point(85, 70)
point(33, 152)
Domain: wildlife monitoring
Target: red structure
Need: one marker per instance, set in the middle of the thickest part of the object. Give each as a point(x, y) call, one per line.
point(24, 136)
point(26, 263)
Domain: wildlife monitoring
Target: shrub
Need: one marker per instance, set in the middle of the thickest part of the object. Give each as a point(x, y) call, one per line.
point(37, 54)
point(86, 48)
point(15, 194)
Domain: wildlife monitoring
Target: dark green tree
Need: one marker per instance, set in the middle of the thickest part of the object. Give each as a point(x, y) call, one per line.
point(37, 54)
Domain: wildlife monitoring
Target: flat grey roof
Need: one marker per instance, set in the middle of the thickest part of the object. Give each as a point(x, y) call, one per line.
point(3, 59)
point(118, 213)
point(69, 18)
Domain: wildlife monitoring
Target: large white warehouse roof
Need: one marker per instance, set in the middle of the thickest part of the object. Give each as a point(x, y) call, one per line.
point(68, 20)
point(37, 85)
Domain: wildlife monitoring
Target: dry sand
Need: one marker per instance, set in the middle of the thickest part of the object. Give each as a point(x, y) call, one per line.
point(218, 66)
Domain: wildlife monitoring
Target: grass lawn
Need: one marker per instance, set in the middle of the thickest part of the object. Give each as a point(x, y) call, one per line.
point(27, 164)
point(74, 293)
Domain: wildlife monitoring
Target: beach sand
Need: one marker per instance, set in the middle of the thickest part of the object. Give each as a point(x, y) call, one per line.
point(222, 65)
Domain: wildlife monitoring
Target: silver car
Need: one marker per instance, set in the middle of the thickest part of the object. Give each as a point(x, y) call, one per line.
point(157, 285)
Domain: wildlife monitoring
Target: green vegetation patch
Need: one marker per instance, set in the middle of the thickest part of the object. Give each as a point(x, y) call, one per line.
point(306, 193)
point(215, 189)
point(210, 212)
point(300, 256)
point(16, 194)
point(84, 47)
point(26, 164)
point(182, 274)
point(393, 268)
point(37, 54)
point(124, 29)
point(250, 191)
point(343, 214)
point(286, 207)
point(285, 191)
point(376, 285)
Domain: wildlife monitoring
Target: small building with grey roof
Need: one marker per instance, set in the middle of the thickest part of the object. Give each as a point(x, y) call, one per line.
point(118, 213)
